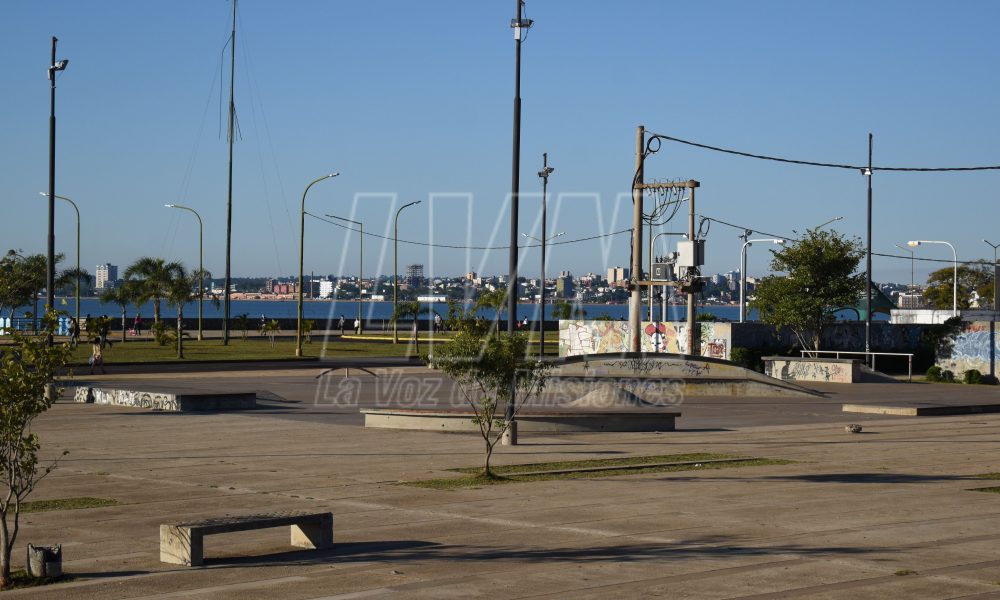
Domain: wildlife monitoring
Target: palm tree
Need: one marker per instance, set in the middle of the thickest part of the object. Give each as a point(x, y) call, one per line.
point(183, 288)
point(411, 310)
point(242, 323)
point(155, 278)
point(123, 296)
point(495, 300)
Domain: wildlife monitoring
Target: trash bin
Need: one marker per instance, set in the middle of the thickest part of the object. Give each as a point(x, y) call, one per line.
point(44, 561)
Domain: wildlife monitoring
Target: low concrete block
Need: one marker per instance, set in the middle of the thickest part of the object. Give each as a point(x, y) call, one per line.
point(825, 370)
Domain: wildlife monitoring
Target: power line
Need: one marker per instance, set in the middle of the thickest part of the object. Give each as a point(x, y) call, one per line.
point(660, 136)
point(456, 247)
point(980, 261)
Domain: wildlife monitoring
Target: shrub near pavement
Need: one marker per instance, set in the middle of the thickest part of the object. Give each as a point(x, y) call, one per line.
point(972, 377)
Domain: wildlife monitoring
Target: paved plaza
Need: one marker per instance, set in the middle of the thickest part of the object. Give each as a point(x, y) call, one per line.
point(882, 514)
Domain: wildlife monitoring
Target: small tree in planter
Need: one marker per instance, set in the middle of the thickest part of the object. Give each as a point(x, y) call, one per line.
point(242, 324)
point(485, 365)
point(271, 329)
point(27, 368)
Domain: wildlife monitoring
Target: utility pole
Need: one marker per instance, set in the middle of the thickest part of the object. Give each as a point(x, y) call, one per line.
point(694, 339)
point(868, 257)
point(520, 26)
point(229, 202)
point(50, 275)
point(635, 300)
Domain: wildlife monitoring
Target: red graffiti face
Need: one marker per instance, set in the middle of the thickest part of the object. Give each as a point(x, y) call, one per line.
point(660, 328)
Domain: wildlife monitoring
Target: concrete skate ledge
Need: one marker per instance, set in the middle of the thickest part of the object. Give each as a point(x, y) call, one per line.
point(164, 399)
point(531, 422)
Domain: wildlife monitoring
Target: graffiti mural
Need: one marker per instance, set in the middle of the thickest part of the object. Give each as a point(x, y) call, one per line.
point(975, 347)
point(137, 399)
point(577, 337)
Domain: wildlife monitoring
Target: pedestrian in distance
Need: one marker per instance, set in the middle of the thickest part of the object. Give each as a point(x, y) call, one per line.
point(74, 332)
point(263, 323)
point(342, 324)
point(137, 324)
point(97, 354)
point(357, 326)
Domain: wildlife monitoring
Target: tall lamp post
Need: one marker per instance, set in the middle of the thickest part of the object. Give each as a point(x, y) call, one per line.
point(541, 328)
point(520, 26)
point(544, 174)
point(652, 241)
point(302, 235)
point(361, 268)
point(996, 271)
point(913, 264)
point(743, 273)
point(395, 269)
point(201, 263)
point(77, 209)
point(954, 285)
point(50, 276)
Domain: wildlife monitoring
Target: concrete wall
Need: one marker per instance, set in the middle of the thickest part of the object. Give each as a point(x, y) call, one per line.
point(827, 371)
point(974, 347)
point(578, 337)
point(719, 338)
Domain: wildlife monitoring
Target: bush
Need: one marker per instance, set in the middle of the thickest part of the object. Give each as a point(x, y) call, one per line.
point(933, 373)
point(947, 376)
point(162, 333)
point(972, 377)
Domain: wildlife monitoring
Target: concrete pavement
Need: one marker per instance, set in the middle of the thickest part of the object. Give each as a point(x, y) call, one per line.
point(886, 513)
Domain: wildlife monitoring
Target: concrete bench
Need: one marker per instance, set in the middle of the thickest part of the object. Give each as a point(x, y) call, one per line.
point(182, 544)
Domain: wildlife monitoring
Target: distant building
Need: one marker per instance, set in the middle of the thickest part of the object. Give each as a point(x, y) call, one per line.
point(326, 288)
point(617, 276)
point(106, 274)
point(286, 288)
point(733, 279)
point(415, 274)
point(911, 301)
point(564, 285)
point(471, 276)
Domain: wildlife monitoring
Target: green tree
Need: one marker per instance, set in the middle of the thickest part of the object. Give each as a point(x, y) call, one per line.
point(484, 364)
point(123, 295)
point(563, 310)
point(495, 301)
point(28, 369)
point(154, 278)
point(821, 277)
point(242, 323)
point(271, 329)
point(411, 310)
point(183, 288)
point(976, 277)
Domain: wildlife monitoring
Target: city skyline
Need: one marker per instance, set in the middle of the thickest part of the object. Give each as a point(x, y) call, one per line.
point(401, 127)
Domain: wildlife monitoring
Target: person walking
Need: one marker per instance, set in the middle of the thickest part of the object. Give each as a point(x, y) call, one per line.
point(74, 332)
point(342, 324)
point(263, 322)
point(97, 354)
point(137, 324)
point(104, 330)
point(357, 326)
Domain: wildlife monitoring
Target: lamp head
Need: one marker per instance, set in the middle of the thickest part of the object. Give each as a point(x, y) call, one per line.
point(170, 205)
point(60, 65)
point(779, 242)
point(912, 243)
point(333, 174)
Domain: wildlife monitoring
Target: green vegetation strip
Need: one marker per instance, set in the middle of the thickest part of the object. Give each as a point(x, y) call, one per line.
point(989, 490)
point(66, 504)
point(585, 469)
point(988, 476)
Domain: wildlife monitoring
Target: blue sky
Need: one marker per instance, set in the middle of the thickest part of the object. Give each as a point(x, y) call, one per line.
point(412, 101)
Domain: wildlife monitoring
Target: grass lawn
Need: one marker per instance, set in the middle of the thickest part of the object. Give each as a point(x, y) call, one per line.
point(252, 349)
point(587, 469)
point(34, 506)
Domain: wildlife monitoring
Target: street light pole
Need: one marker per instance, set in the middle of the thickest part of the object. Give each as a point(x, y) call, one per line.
point(743, 273)
point(50, 276)
point(201, 262)
point(77, 209)
point(361, 267)
point(996, 271)
point(954, 285)
point(543, 241)
point(913, 265)
point(395, 269)
point(544, 174)
point(302, 234)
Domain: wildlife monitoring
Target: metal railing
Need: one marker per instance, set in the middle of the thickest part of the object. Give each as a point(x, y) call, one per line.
point(837, 353)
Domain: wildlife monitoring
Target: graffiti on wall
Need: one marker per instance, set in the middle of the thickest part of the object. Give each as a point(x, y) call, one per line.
point(577, 337)
point(149, 400)
point(972, 348)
